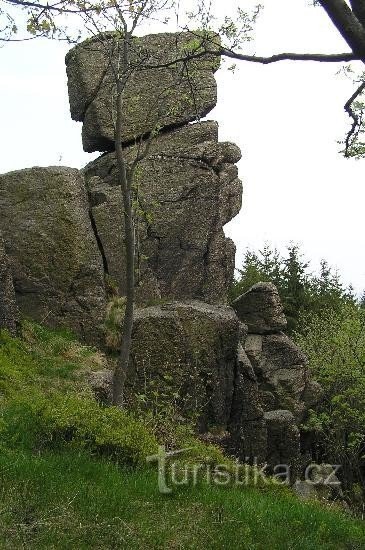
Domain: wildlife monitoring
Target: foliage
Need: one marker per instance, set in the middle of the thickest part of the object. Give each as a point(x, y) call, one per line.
point(335, 344)
point(47, 404)
point(299, 289)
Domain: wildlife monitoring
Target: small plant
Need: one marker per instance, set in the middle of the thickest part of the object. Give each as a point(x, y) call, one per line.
point(115, 312)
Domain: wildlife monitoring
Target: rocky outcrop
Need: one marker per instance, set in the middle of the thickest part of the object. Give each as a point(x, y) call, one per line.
point(280, 366)
point(159, 91)
point(56, 265)
point(185, 353)
point(188, 189)
point(261, 309)
point(8, 308)
point(284, 388)
point(233, 371)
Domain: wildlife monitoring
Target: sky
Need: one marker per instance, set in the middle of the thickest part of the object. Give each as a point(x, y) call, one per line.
point(286, 117)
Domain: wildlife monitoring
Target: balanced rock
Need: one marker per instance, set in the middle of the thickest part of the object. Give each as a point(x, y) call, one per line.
point(160, 90)
point(260, 308)
point(55, 261)
point(188, 189)
point(8, 308)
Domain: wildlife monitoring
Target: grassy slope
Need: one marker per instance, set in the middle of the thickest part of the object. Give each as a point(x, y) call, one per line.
point(66, 495)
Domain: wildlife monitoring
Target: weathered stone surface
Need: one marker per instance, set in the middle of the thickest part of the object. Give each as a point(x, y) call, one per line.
point(57, 268)
point(282, 439)
point(185, 194)
point(167, 96)
point(247, 424)
point(261, 309)
point(186, 353)
point(8, 308)
point(282, 372)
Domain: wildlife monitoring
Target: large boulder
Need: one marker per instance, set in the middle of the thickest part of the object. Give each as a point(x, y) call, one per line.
point(260, 308)
point(188, 189)
point(159, 92)
point(8, 308)
point(56, 264)
point(185, 353)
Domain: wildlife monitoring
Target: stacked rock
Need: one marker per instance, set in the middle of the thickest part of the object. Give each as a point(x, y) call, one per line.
point(187, 185)
point(187, 188)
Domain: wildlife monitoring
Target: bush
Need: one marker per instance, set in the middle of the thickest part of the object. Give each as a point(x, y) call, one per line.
point(335, 344)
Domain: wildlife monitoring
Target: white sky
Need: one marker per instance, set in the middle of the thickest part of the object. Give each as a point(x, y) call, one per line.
point(286, 118)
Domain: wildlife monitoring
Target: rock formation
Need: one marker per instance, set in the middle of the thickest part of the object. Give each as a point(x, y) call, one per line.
point(233, 370)
point(186, 352)
point(285, 390)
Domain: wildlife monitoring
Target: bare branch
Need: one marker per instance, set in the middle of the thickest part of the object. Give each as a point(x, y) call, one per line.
point(324, 58)
point(358, 8)
point(327, 58)
point(59, 7)
point(356, 119)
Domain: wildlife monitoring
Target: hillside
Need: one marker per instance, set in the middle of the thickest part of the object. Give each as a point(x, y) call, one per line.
point(73, 473)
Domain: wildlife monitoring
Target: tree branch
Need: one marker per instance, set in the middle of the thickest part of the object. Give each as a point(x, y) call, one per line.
point(356, 119)
point(324, 58)
point(331, 58)
point(58, 7)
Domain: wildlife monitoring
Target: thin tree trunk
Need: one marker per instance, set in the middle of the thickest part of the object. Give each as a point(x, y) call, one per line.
point(126, 188)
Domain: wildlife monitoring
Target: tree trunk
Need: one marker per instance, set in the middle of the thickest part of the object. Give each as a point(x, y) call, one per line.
point(126, 188)
point(358, 7)
point(347, 24)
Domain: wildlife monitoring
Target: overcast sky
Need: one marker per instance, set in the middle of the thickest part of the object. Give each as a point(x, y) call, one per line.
point(286, 118)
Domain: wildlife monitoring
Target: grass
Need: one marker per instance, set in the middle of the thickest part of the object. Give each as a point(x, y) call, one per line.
point(68, 478)
point(69, 500)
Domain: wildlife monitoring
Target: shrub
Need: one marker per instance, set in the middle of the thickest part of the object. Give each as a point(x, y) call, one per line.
point(335, 344)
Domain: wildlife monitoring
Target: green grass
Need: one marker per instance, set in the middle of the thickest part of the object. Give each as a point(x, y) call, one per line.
point(69, 500)
point(72, 472)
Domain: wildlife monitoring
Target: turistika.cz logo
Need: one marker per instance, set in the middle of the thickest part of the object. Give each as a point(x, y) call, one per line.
point(174, 473)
